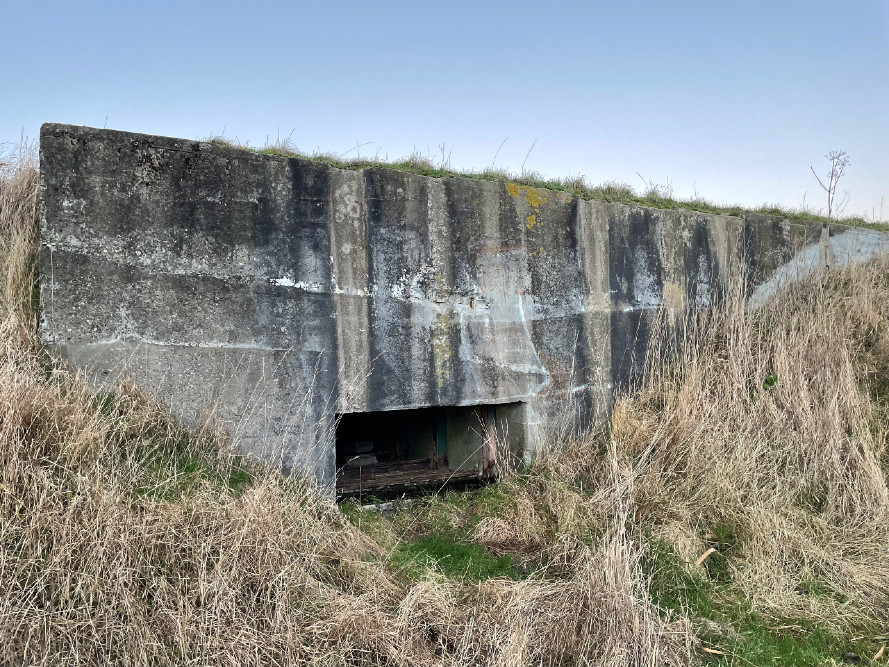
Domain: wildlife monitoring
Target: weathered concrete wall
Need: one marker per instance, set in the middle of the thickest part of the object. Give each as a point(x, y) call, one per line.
point(270, 293)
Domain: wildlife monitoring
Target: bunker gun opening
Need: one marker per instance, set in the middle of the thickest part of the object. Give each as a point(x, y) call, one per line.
point(400, 449)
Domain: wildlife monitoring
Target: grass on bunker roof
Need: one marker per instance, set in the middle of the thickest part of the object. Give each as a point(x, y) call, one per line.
point(652, 195)
point(128, 538)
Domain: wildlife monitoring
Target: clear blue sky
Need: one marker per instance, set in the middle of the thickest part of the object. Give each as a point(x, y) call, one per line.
point(735, 99)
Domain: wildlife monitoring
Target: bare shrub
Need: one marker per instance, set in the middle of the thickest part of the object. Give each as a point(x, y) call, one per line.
point(839, 160)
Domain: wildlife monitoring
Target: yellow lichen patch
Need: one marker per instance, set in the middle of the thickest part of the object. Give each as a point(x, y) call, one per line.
point(535, 197)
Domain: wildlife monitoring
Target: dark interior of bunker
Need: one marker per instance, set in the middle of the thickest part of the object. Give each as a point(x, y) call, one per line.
point(400, 449)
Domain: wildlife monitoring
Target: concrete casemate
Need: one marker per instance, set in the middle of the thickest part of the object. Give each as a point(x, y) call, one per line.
point(273, 295)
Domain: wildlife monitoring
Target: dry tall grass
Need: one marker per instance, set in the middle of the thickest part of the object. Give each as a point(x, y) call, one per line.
point(769, 431)
point(124, 538)
point(18, 244)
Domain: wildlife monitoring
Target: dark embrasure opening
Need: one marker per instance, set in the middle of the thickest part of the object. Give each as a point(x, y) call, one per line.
point(401, 448)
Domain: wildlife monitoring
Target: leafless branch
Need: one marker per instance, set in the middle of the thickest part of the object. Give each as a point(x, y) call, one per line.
point(839, 160)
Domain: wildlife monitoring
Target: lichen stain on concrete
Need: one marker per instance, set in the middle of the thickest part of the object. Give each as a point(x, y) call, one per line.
point(347, 206)
point(535, 198)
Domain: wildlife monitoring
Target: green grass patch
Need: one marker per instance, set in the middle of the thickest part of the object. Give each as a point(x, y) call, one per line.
point(725, 623)
point(494, 501)
point(722, 537)
point(453, 558)
point(444, 514)
point(169, 475)
point(373, 524)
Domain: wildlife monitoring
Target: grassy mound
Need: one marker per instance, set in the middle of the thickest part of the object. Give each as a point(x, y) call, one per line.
point(126, 538)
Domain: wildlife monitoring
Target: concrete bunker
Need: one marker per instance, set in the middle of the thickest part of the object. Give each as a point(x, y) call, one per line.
point(277, 292)
point(398, 449)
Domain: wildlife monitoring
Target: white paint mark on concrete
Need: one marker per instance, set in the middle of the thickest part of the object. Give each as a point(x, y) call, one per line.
point(308, 286)
point(141, 340)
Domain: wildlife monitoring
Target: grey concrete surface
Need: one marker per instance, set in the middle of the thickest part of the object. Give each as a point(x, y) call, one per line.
point(268, 294)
